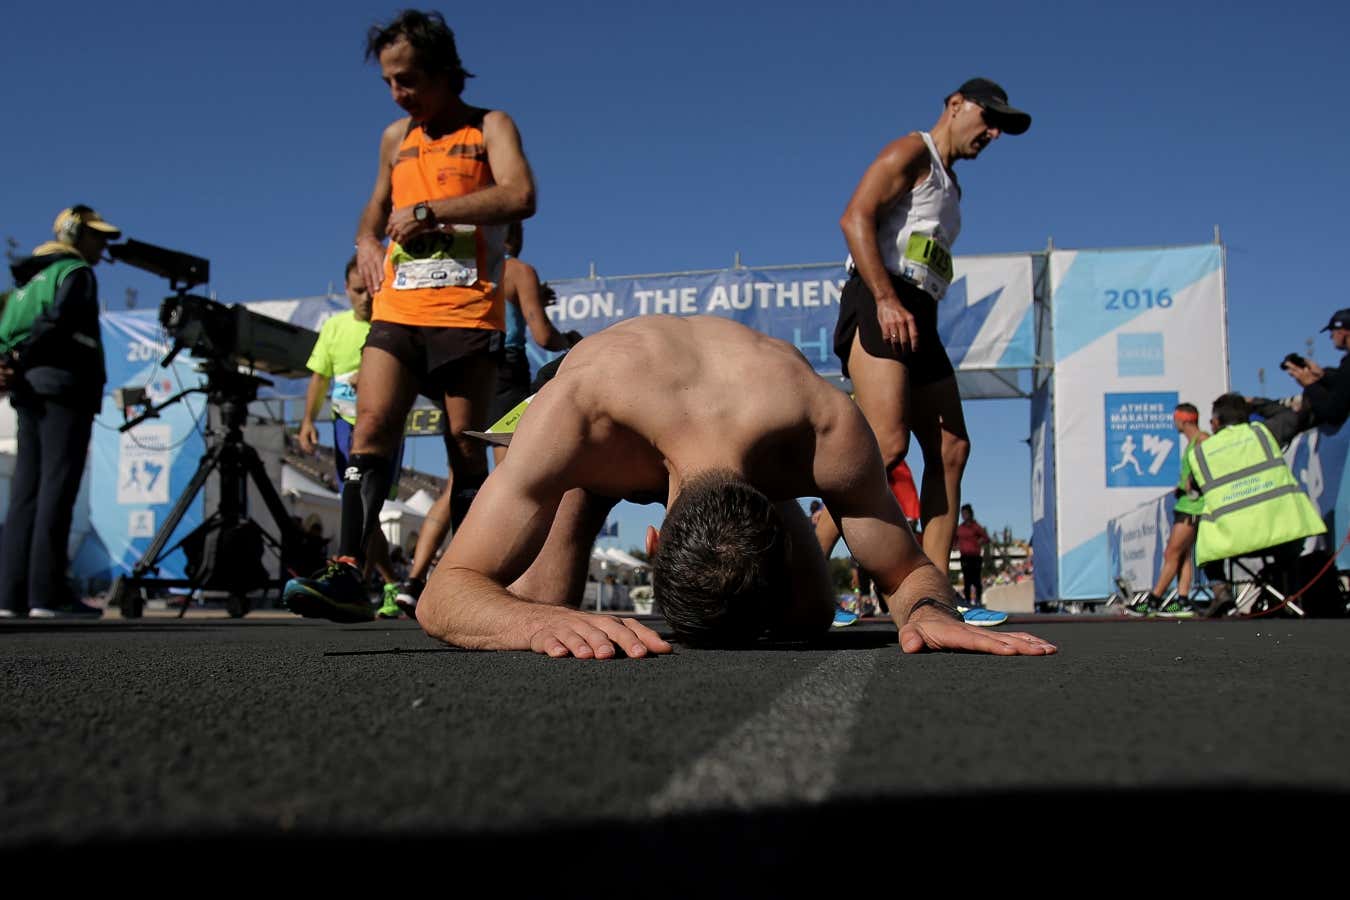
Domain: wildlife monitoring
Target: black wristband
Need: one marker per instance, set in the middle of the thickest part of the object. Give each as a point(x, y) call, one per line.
point(945, 607)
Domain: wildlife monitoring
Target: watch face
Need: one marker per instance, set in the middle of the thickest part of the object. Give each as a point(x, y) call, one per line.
point(420, 212)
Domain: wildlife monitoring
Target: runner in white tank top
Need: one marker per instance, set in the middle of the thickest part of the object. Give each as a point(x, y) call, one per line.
point(900, 226)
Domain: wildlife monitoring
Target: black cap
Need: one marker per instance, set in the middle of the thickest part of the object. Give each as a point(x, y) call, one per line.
point(994, 100)
point(1340, 320)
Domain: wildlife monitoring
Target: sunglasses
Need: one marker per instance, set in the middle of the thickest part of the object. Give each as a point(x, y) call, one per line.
point(990, 118)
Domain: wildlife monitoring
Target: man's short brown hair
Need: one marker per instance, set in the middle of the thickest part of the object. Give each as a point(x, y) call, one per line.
point(432, 41)
point(721, 563)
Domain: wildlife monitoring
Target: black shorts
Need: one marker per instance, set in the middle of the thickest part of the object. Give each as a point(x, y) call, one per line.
point(513, 383)
point(858, 315)
point(436, 356)
point(1181, 518)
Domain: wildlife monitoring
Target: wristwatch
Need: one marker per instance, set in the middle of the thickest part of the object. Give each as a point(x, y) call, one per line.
point(422, 213)
point(934, 602)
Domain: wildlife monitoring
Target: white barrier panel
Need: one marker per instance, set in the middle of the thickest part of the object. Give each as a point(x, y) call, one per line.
point(1137, 540)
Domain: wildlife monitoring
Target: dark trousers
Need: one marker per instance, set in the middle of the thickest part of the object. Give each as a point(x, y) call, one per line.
point(53, 443)
point(972, 575)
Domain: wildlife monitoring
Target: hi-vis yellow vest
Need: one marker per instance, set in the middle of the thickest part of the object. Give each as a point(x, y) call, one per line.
point(1252, 501)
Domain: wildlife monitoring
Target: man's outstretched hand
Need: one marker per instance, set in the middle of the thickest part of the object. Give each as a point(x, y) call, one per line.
point(591, 636)
point(930, 629)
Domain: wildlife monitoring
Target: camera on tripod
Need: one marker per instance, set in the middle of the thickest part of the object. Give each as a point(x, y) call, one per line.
point(226, 551)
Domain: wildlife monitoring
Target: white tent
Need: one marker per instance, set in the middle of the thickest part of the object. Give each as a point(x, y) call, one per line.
point(627, 560)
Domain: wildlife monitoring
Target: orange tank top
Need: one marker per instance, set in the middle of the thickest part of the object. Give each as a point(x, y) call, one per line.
point(450, 278)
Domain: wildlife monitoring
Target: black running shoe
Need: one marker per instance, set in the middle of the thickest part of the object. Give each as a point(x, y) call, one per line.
point(336, 594)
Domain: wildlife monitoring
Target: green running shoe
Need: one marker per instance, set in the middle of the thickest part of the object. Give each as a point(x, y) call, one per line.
point(389, 608)
point(1175, 609)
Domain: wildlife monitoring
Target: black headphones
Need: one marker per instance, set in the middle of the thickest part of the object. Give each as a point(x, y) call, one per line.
point(74, 224)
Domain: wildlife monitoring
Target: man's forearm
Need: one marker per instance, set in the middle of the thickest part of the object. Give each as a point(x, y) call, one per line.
point(496, 205)
point(469, 609)
point(861, 237)
point(314, 394)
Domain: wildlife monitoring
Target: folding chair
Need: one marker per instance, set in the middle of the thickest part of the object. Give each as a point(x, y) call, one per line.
point(1258, 590)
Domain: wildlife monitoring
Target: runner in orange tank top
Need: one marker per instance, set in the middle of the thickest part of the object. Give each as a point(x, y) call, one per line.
point(450, 178)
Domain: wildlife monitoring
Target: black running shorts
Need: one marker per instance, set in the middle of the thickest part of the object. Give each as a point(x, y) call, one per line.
point(436, 356)
point(858, 315)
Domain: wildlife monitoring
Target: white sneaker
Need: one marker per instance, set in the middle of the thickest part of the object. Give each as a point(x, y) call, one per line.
point(8, 614)
point(79, 610)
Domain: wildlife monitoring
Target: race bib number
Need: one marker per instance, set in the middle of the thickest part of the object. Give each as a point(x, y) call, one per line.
point(344, 396)
point(438, 260)
point(927, 264)
point(501, 431)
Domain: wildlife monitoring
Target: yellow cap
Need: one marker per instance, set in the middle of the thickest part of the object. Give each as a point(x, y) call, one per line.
point(71, 218)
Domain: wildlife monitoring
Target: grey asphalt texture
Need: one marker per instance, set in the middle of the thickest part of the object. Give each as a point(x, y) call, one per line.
point(273, 735)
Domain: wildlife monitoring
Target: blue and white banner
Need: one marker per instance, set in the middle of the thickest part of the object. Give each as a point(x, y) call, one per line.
point(986, 319)
point(1139, 425)
point(1135, 331)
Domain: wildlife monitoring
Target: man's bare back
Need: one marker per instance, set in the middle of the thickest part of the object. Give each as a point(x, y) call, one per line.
point(667, 395)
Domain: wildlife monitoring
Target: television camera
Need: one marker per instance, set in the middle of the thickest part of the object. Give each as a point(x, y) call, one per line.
point(220, 334)
point(232, 343)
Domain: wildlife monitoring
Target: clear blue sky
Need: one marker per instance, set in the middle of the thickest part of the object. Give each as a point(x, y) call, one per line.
point(669, 138)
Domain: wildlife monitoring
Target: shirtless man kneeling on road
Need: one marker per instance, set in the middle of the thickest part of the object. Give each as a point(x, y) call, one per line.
point(727, 427)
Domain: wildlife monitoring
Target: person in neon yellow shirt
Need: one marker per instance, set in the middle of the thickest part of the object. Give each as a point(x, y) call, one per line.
point(335, 361)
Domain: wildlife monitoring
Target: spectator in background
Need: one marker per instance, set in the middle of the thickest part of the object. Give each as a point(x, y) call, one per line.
point(971, 539)
point(1252, 500)
point(1326, 391)
point(336, 362)
point(51, 364)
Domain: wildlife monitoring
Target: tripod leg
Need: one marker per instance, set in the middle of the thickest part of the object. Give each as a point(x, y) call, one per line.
point(210, 460)
point(271, 498)
point(288, 532)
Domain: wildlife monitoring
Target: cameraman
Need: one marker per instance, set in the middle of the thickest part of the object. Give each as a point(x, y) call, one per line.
point(53, 370)
point(1326, 392)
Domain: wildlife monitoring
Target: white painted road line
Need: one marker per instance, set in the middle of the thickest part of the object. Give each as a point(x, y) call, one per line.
point(787, 754)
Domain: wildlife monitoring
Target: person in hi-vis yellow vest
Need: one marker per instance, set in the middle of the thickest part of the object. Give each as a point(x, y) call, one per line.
point(1252, 502)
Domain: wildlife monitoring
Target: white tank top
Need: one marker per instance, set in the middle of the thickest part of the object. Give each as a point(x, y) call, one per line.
point(916, 232)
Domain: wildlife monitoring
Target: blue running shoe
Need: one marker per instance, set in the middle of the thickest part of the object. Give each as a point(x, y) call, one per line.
point(843, 618)
point(336, 594)
point(984, 618)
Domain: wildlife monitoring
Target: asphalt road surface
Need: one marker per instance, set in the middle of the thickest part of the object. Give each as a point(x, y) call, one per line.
point(275, 736)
